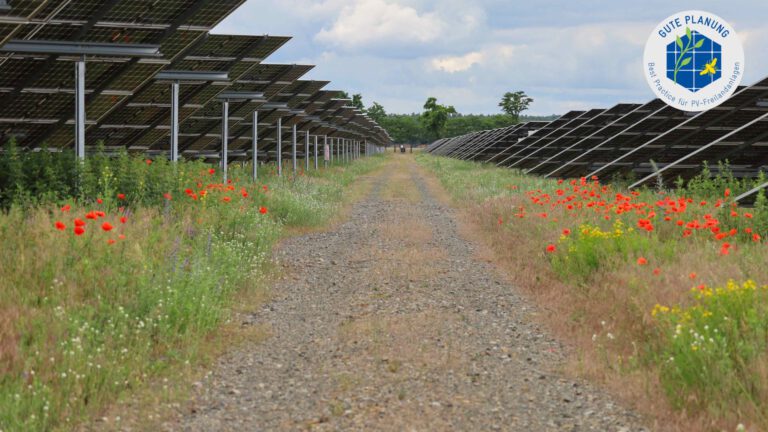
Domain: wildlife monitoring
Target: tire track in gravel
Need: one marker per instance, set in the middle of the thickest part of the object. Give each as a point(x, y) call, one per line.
point(387, 322)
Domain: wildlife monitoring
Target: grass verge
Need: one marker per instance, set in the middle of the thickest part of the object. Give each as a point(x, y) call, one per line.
point(656, 288)
point(102, 294)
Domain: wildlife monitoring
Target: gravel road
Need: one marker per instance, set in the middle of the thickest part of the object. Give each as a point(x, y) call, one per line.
point(388, 322)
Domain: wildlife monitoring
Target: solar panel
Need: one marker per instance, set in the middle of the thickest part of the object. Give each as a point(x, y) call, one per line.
point(540, 133)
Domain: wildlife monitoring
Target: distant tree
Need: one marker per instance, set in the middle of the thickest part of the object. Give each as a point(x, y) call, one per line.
point(343, 95)
point(376, 112)
point(435, 116)
point(357, 102)
point(515, 103)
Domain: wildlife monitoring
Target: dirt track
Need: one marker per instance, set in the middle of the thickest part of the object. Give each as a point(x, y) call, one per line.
point(388, 322)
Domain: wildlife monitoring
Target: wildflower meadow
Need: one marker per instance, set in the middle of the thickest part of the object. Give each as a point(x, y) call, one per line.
point(114, 269)
point(667, 284)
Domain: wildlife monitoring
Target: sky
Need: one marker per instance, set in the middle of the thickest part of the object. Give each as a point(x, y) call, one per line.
point(566, 55)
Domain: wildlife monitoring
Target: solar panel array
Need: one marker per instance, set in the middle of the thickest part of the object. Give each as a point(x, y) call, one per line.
point(648, 142)
point(127, 107)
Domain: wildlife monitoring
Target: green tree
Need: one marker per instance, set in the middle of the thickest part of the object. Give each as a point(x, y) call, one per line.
point(435, 116)
point(376, 112)
point(515, 103)
point(357, 102)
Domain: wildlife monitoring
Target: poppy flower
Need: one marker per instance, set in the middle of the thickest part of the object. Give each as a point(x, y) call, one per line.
point(121, 236)
point(100, 214)
point(106, 226)
point(657, 271)
point(566, 232)
point(692, 276)
point(748, 215)
point(265, 188)
point(66, 208)
point(756, 238)
point(79, 230)
point(167, 196)
point(642, 261)
point(99, 200)
point(551, 248)
point(60, 226)
point(123, 219)
point(121, 196)
point(748, 230)
point(91, 215)
point(263, 210)
point(148, 161)
point(727, 193)
point(79, 222)
point(211, 171)
point(111, 241)
point(226, 199)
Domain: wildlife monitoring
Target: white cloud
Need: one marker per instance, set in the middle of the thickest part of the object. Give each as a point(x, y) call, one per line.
point(375, 21)
point(454, 64)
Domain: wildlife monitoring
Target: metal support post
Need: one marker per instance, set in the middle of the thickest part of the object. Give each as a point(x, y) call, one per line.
point(279, 146)
point(293, 150)
point(175, 121)
point(306, 153)
point(317, 138)
point(80, 108)
point(255, 144)
point(224, 137)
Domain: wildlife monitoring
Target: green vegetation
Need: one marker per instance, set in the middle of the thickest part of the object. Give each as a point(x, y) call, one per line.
point(642, 281)
point(116, 277)
point(444, 121)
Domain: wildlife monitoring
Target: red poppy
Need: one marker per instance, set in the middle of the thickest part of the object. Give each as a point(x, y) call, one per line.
point(692, 276)
point(79, 222)
point(100, 213)
point(265, 188)
point(642, 261)
point(111, 241)
point(226, 199)
point(106, 226)
point(756, 238)
point(123, 219)
point(263, 210)
point(566, 232)
point(748, 215)
point(501, 221)
point(99, 200)
point(167, 196)
point(121, 236)
point(66, 208)
point(748, 230)
point(79, 230)
point(91, 215)
point(211, 171)
point(60, 226)
point(121, 196)
point(149, 161)
point(551, 248)
point(657, 271)
point(727, 193)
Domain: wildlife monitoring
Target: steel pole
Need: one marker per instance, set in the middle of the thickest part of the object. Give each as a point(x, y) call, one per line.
point(293, 150)
point(306, 153)
point(255, 144)
point(317, 138)
point(175, 121)
point(224, 137)
point(80, 108)
point(279, 146)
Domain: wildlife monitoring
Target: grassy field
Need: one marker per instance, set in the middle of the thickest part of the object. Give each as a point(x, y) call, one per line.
point(104, 290)
point(661, 291)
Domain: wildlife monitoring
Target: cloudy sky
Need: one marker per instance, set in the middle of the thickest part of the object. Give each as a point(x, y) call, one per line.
point(566, 54)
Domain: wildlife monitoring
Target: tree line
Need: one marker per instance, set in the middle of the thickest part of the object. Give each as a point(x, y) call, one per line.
point(440, 121)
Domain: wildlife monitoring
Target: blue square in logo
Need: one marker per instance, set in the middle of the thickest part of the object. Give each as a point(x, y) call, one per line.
point(694, 62)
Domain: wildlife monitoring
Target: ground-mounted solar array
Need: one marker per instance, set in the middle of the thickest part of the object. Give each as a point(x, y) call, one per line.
point(649, 143)
point(77, 73)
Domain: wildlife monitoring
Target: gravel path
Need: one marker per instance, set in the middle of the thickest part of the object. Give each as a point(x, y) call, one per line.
point(389, 323)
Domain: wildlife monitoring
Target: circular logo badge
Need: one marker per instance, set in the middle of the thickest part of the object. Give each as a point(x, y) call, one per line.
point(694, 61)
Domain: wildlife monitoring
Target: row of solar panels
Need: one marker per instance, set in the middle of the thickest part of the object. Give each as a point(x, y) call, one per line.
point(126, 106)
point(638, 141)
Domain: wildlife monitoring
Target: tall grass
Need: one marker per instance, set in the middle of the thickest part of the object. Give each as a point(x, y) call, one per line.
point(84, 318)
point(616, 269)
